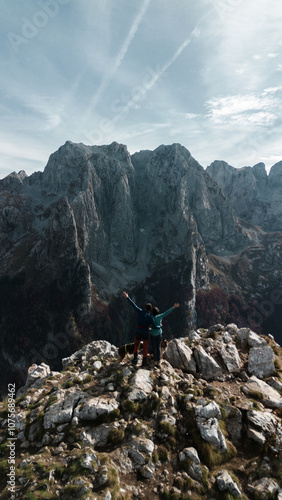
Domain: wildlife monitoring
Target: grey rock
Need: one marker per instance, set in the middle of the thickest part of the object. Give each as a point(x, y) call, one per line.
point(148, 471)
point(102, 476)
point(226, 483)
point(210, 410)
point(35, 376)
point(264, 420)
point(179, 355)
point(243, 335)
point(265, 487)
point(234, 423)
point(107, 495)
point(230, 357)
point(37, 372)
point(165, 393)
point(275, 383)
point(90, 460)
point(211, 432)
point(261, 361)
point(141, 385)
point(62, 410)
point(270, 397)
point(97, 436)
point(194, 468)
point(227, 337)
point(95, 348)
point(206, 365)
point(215, 328)
point(256, 435)
point(254, 340)
point(253, 194)
point(232, 329)
point(262, 425)
point(122, 460)
point(92, 408)
point(193, 336)
point(139, 449)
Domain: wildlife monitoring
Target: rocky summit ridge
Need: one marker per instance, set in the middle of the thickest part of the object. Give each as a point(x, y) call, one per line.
point(205, 424)
point(98, 220)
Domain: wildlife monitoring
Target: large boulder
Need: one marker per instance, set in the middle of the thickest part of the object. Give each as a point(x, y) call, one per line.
point(92, 408)
point(179, 355)
point(234, 423)
point(194, 465)
point(265, 487)
point(211, 432)
point(206, 365)
point(210, 410)
point(226, 483)
point(62, 410)
point(261, 361)
point(258, 389)
point(139, 449)
point(141, 385)
point(36, 373)
point(230, 357)
point(97, 348)
point(264, 424)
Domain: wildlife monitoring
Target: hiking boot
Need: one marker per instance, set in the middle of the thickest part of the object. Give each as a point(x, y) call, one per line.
point(135, 359)
point(144, 362)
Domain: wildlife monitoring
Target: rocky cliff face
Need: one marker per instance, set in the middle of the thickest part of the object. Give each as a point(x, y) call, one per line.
point(205, 424)
point(254, 195)
point(99, 220)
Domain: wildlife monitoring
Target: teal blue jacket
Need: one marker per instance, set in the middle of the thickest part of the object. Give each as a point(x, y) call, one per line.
point(158, 321)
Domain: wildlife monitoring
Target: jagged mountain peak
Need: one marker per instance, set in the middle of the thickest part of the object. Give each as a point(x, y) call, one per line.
point(13, 180)
point(275, 174)
point(260, 172)
point(254, 195)
point(73, 166)
point(175, 154)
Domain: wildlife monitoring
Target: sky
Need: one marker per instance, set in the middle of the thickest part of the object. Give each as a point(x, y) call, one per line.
point(204, 74)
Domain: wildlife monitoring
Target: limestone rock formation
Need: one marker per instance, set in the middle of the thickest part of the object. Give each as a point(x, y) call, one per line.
point(99, 220)
point(254, 195)
point(83, 432)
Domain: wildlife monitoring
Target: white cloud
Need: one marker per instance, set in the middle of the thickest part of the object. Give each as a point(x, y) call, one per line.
point(205, 74)
point(255, 109)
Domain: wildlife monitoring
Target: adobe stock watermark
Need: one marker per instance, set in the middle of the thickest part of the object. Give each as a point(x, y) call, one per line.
point(265, 308)
point(31, 26)
point(11, 440)
point(121, 106)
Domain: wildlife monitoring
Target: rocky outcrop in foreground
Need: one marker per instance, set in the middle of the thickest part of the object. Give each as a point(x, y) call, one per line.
point(205, 424)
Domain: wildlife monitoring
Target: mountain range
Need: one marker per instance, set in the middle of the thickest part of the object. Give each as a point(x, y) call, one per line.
point(157, 224)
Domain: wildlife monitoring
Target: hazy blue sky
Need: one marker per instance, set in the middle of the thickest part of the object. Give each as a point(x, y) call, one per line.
point(204, 73)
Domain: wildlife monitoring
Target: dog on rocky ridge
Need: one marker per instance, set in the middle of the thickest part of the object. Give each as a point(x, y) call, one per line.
point(129, 349)
point(123, 350)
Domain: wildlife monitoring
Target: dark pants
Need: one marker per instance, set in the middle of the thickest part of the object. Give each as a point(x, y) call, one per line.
point(145, 338)
point(156, 346)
